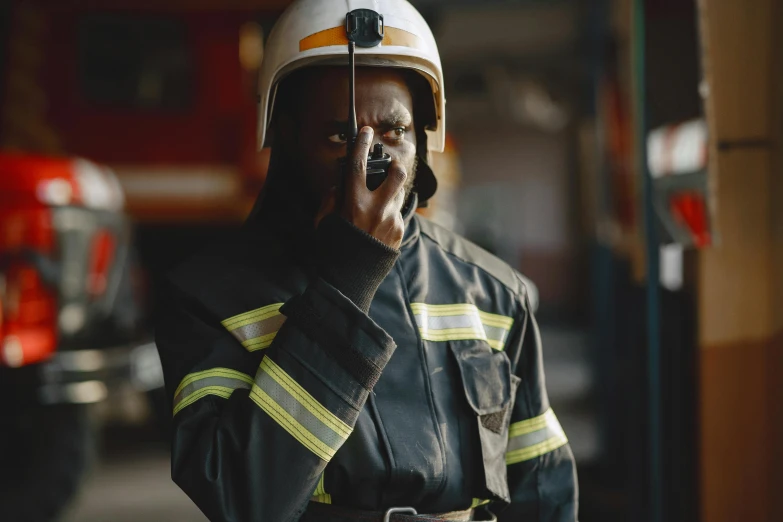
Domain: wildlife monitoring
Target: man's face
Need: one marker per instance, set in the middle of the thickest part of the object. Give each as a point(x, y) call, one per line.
point(317, 139)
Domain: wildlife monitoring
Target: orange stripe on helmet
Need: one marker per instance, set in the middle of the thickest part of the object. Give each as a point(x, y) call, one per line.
point(336, 36)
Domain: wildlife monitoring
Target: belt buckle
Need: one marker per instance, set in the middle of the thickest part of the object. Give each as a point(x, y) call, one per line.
point(398, 510)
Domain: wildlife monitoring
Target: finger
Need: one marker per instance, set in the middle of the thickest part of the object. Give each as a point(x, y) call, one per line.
point(398, 232)
point(394, 182)
point(328, 204)
point(358, 162)
point(399, 200)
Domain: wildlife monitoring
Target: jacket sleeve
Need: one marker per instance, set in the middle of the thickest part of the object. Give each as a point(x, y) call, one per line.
point(253, 431)
point(541, 469)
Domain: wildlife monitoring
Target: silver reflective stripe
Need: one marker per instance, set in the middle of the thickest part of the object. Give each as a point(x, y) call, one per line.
point(298, 412)
point(496, 334)
point(534, 437)
point(531, 439)
point(259, 329)
point(461, 322)
point(450, 321)
point(256, 329)
point(220, 382)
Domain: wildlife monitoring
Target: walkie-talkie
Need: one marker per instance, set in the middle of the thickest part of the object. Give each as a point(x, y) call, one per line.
point(364, 27)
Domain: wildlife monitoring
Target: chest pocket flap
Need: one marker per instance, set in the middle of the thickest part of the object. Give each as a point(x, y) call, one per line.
point(490, 389)
point(486, 377)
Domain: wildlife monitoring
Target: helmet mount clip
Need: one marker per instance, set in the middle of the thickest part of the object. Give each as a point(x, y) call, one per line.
point(364, 27)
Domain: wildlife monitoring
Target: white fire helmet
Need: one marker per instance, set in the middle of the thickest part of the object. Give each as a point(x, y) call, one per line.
point(312, 32)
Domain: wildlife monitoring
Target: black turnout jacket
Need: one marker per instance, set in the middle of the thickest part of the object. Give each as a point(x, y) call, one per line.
point(322, 366)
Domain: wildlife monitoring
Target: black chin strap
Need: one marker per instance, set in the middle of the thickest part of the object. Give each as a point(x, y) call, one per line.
point(425, 184)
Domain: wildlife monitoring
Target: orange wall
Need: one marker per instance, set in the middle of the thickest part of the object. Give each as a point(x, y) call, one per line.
point(740, 282)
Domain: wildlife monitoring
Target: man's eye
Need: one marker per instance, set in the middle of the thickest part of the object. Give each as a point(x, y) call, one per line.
point(338, 138)
point(395, 134)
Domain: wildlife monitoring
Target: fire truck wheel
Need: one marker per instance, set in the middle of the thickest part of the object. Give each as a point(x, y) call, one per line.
point(44, 454)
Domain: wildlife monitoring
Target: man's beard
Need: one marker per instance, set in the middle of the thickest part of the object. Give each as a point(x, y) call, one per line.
point(411, 179)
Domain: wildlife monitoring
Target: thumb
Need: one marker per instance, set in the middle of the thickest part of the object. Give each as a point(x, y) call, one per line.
point(328, 204)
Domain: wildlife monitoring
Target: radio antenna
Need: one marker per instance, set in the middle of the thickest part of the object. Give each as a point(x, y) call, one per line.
point(353, 130)
point(364, 28)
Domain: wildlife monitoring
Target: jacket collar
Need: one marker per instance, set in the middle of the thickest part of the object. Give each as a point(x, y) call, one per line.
point(411, 225)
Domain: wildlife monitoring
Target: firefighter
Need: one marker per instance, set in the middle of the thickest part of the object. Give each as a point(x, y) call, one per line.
point(342, 358)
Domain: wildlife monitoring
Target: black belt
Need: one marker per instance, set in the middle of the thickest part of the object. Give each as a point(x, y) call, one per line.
point(317, 512)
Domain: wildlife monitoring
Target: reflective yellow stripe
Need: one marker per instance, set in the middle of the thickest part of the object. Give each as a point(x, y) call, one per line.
point(497, 345)
point(465, 308)
point(232, 323)
point(290, 424)
point(298, 412)
point(454, 333)
point(461, 322)
point(499, 321)
point(259, 343)
point(528, 426)
point(534, 437)
point(478, 502)
point(213, 372)
point(256, 329)
point(532, 452)
point(336, 36)
point(304, 398)
point(220, 382)
point(319, 489)
point(320, 494)
point(219, 391)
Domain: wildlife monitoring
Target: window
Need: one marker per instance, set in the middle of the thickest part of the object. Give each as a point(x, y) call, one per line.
point(135, 62)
